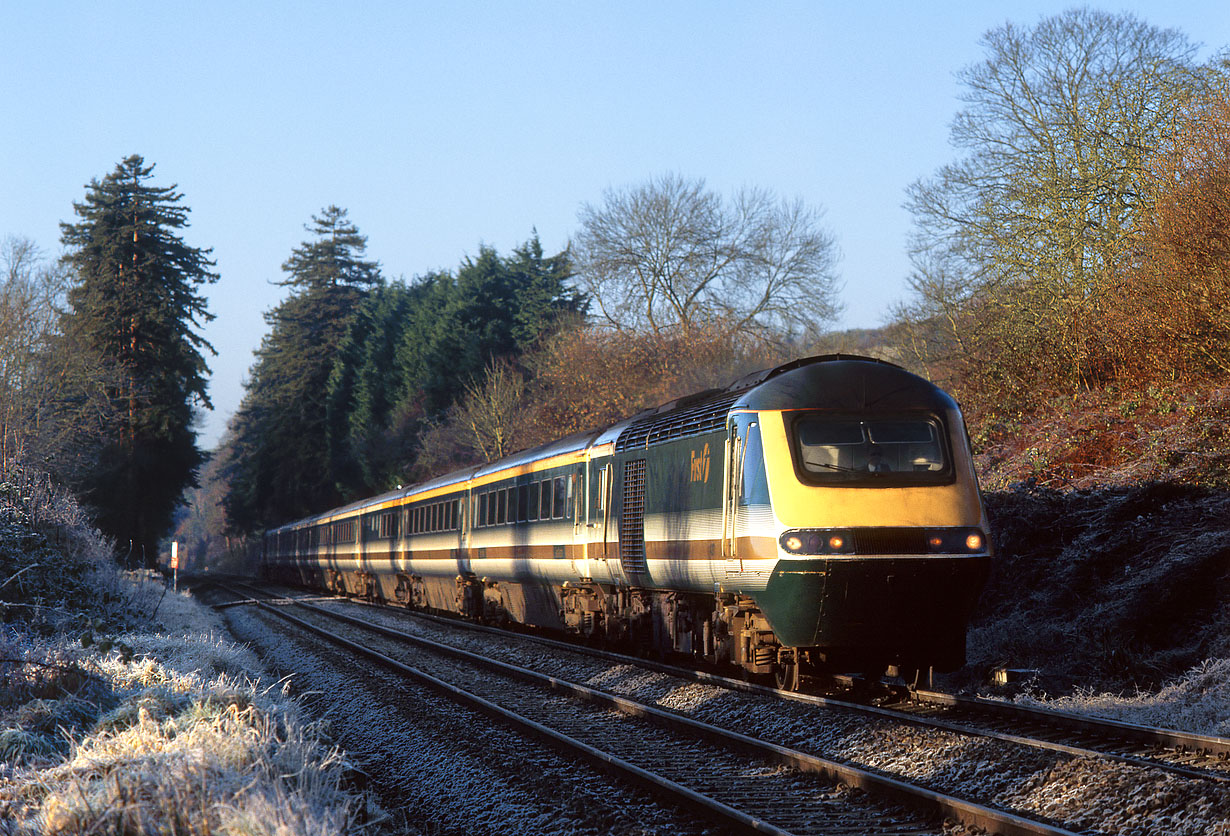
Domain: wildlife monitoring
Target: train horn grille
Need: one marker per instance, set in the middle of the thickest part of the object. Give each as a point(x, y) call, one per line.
point(890, 541)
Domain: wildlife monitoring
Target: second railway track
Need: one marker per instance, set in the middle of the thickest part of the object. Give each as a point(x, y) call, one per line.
point(760, 723)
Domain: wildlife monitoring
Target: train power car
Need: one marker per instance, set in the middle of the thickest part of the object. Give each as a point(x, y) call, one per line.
point(822, 514)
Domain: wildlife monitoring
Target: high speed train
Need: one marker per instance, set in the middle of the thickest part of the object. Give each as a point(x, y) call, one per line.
point(821, 515)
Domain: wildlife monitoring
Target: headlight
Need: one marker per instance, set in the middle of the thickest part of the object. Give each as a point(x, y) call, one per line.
point(957, 541)
point(817, 541)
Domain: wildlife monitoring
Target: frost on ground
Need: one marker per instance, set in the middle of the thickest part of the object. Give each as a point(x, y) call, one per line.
point(122, 710)
point(1119, 597)
point(164, 733)
point(1198, 701)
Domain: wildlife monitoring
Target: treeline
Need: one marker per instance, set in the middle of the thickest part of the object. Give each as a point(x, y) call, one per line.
point(363, 384)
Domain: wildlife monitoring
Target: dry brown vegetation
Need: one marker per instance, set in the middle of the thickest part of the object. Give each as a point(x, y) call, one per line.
point(584, 379)
point(1127, 379)
point(1111, 437)
point(1168, 318)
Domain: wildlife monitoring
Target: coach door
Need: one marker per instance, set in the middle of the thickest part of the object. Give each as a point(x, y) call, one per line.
point(736, 445)
point(603, 486)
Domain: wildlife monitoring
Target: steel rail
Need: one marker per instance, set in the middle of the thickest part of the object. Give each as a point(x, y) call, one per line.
point(606, 761)
point(1171, 738)
point(968, 813)
point(1105, 728)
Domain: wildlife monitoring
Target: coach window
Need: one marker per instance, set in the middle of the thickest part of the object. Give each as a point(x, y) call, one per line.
point(482, 510)
point(559, 498)
point(531, 508)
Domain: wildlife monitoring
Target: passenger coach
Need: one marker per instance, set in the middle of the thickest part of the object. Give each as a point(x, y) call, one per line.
point(822, 514)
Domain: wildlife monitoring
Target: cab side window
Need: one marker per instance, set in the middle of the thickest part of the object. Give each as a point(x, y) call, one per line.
point(755, 481)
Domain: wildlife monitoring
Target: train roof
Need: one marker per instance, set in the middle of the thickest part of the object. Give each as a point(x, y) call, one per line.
point(843, 383)
point(838, 382)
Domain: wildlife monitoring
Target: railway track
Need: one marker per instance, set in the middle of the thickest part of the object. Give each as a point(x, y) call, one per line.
point(1176, 752)
point(747, 783)
point(1180, 753)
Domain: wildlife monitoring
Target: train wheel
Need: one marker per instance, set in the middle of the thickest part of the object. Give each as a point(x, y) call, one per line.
point(786, 671)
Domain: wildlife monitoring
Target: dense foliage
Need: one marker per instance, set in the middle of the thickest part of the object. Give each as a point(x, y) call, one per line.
point(134, 306)
point(412, 350)
point(354, 369)
point(274, 465)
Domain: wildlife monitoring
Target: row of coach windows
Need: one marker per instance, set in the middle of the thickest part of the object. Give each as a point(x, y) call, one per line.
point(438, 516)
point(545, 500)
point(328, 534)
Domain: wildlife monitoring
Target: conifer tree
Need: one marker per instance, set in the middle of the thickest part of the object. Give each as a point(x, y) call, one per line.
point(279, 469)
point(135, 303)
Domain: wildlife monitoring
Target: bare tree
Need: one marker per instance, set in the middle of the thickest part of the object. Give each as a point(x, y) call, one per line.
point(1027, 228)
point(489, 410)
point(669, 254)
point(52, 393)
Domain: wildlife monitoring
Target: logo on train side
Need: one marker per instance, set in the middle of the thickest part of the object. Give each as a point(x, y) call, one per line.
point(700, 464)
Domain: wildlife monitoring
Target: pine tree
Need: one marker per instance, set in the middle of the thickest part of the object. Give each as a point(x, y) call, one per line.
point(136, 304)
point(413, 350)
point(279, 468)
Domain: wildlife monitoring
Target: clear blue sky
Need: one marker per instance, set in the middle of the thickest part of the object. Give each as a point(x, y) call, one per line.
point(444, 125)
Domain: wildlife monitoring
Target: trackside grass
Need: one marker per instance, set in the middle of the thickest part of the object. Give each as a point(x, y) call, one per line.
point(122, 711)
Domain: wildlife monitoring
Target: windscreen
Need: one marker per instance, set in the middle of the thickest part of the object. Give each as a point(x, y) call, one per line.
point(871, 451)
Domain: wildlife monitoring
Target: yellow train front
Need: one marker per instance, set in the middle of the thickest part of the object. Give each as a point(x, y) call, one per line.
point(823, 514)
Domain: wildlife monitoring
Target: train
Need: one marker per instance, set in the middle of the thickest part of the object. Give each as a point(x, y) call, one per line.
point(820, 516)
